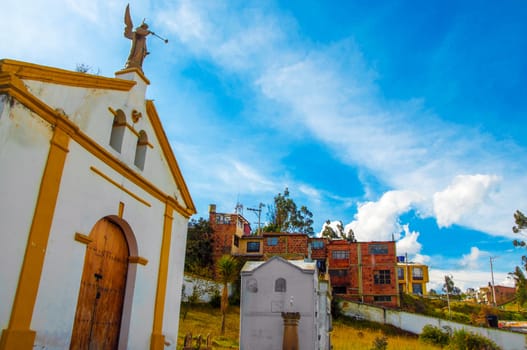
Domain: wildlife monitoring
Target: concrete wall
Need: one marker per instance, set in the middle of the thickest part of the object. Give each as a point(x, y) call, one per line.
point(205, 286)
point(415, 323)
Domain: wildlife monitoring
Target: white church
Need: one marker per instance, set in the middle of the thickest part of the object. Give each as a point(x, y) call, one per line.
point(93, 213)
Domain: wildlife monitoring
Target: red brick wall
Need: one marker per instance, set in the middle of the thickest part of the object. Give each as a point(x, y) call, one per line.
point(287, 244)
point(369, 264)
point(318, 253)
point(223, 234)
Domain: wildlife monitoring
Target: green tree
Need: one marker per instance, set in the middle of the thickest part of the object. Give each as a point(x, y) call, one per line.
point(338, 232)
point(198, 255)
point(227, 271)
point(521, 286)
point(284, 216)
point(329, 232)
point(448, 288)
point(521, 224)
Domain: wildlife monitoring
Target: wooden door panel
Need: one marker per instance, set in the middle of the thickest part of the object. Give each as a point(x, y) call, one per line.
point(101, 296)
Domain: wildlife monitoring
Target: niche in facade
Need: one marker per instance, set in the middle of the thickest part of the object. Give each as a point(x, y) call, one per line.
point(280, 285)
point(140, 150)
point(117, 136)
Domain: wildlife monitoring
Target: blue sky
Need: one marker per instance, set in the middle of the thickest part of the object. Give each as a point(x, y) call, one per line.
point(401, 118)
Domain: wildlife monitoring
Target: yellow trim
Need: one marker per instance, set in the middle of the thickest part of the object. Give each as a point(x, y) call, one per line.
point(15, 87)
point(82, 238)
point(169, 155)
point(29, 280)
point(134, 70)
point(24, 70)
point(157, 327)
point(137, 260)
point(120, 210)
point(119, 186)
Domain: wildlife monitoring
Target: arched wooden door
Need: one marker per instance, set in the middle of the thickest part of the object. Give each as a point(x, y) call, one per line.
point(101, 296)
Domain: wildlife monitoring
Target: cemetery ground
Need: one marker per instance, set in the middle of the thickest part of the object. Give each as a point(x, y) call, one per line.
point(347, 334)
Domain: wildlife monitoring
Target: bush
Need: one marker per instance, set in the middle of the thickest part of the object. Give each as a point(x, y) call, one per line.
point(380, 343)
point(434, 336)
point(215, 299)
point(463, 340)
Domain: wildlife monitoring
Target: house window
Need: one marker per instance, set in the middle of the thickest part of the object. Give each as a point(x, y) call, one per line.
point(317, 244)
point(272, 241)
point(382, 298)
point(223, 219)
point(340, 254)
point(382, 277)
point(339, 289)
point(338, 272)
point(236, 241)
point(417, 273)
point(378, 249)
point(253, 247)
point(119, 124)
point(417, 288)
point(400, 273)
point(140, 150)
point(279, 285)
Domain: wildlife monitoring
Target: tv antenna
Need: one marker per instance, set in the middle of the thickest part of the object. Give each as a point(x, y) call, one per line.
point(238, 209)
point(259, 213)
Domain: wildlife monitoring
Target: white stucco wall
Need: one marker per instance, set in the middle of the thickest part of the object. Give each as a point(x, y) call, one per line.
point(261, 324)
point(24, 146)
point(84, 198)
point(415, 323)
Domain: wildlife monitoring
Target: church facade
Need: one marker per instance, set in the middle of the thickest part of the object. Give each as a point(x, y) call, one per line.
point(93, 213)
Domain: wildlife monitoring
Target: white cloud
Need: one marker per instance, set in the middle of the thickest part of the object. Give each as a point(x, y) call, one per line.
point(422, 259)
point(463, 196)
point(471, 260)
point(379, 220)
point(408, 244)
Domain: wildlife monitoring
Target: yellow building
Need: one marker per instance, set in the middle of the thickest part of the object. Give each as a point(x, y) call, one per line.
point(412, 278)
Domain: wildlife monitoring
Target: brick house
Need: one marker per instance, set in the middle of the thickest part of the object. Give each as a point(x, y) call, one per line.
point(228, 229)
point(290, 246)
point(364, 271)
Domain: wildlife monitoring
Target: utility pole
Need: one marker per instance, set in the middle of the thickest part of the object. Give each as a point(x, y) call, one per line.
point(492, 276)
point(259, 213)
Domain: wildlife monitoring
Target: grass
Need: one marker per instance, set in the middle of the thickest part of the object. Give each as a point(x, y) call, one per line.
point(347, 334)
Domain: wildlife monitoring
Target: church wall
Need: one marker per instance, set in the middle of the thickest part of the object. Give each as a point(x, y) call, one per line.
point(93, 185)
point(84, 198)
point(175, 280)
point(89, 109)
point(24, 145)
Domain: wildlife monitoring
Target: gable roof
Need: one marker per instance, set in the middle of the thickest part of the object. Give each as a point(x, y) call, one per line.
point(12, 74)
point(302, 265)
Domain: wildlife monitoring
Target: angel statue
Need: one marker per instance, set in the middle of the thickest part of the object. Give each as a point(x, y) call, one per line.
point(138, 50)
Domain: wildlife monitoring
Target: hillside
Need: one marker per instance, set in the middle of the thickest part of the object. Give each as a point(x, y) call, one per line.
point(460, 311)
point(347, 334)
